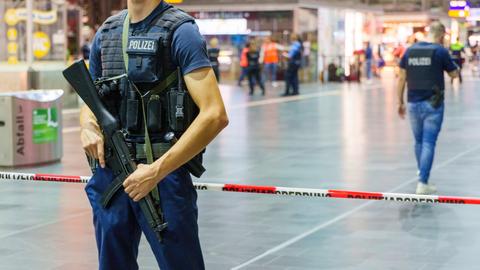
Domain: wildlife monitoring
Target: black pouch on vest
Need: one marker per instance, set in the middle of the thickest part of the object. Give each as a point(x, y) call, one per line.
point(176, 110)
point(154, 114)
point(181, 110)
point(142, 58)
point(132, 112)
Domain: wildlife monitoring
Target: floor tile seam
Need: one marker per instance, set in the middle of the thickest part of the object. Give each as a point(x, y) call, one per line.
point(280, 100)
point(31, 228)
point(276, 159)
point(346, 214)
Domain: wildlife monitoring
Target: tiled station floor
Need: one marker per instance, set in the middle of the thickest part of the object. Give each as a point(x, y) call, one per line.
point(333, 136)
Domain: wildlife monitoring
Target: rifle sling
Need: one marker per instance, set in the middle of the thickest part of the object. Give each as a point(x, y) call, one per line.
point(160, 87)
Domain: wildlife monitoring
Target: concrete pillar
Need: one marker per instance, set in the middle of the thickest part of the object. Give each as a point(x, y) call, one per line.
point(29, 6)
point(3, 32)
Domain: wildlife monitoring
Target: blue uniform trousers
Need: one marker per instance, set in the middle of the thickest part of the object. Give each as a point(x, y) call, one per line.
point(291, 79)
point(119, 227)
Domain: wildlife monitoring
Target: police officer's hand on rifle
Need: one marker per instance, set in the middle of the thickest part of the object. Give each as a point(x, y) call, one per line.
point(92, 137)
point(142, 181)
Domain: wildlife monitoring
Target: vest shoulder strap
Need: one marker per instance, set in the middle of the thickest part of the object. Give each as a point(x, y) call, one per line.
point(170, 20)
point(113, 22)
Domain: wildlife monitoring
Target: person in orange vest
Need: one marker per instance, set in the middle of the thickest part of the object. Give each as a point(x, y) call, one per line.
point(244, 63)
point(270, 60)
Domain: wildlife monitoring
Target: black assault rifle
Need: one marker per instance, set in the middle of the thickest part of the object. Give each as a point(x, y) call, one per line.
point(117, 155)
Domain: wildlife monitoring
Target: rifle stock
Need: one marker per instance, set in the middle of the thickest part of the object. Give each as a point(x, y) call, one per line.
point(79, 77)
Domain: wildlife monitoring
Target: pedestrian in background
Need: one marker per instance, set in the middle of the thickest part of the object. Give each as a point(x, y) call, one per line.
point(270, 60)
point(243, 64)
point(457, 50)
point(422, 67)
point(368, 61)
point(87, 46)
point(254, 68)
point(294, 57)
point(213, 54)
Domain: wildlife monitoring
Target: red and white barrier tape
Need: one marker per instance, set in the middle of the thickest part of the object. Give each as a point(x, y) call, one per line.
point(299, 192)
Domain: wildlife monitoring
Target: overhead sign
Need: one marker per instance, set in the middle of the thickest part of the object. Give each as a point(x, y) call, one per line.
point(474, 14)
point(12, 34)
point(174, 1)
point(459, 13)
point(41, 44)
point(459, 9)
point(15, 15)
point(223, 27)
point(12, 48)
point(11, 17)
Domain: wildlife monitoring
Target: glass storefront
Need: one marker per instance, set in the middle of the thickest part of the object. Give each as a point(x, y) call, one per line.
point(49, 42)
point(235, 29)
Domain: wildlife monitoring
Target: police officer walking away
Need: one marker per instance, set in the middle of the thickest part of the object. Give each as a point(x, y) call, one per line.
point(294, 57)
point(457, 50)
point(213, 54)
point(422, 68)
point(171, 89)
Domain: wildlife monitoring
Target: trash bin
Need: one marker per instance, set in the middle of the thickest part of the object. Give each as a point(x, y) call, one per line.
point(30, 127)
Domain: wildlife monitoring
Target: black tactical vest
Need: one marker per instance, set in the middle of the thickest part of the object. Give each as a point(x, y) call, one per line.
point(150, 63)
point(422, 73)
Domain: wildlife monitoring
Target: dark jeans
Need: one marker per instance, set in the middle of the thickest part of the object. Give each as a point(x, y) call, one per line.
point(368, 66)
point(254, 74)
point(426, 124)
point(291, 79)
point(243, 74)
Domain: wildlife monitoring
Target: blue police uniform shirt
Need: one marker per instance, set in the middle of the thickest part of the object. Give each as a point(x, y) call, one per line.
point(189, 48)
point(441, 60)
point(295, 52)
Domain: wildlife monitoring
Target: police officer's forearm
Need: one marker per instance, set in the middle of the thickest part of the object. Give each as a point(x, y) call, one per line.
point(201, 132)
point(88, 119)
point(401, 86)
point(454, 74)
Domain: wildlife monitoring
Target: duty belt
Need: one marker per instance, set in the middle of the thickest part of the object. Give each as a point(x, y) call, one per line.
point(138, 153)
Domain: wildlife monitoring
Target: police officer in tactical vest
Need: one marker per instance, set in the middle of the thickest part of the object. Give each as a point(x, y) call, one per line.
point(170, 103)
point(422, 69)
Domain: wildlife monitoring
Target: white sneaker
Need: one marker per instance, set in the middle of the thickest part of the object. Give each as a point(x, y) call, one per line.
point(423, 189)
